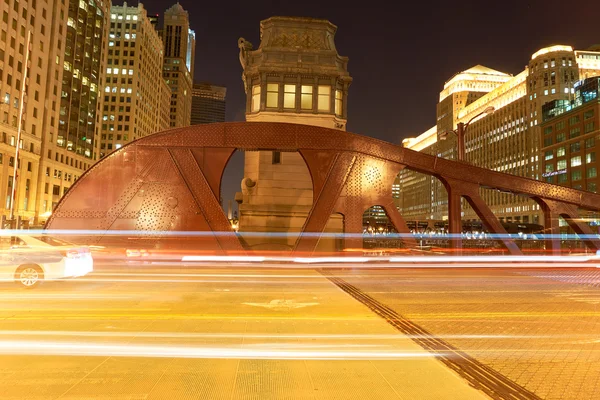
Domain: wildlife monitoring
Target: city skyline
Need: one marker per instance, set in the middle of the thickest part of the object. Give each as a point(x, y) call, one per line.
point(375, 60)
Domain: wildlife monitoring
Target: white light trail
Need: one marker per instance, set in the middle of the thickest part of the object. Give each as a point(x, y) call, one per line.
point(197, 335)
point(24, 347)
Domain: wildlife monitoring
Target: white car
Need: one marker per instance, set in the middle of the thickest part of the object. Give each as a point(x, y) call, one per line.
point(29, 261)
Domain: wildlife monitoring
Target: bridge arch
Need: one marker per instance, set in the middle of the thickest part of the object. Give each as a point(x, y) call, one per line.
point(170, 181)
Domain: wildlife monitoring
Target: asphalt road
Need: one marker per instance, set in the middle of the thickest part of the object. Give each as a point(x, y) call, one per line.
point(240, 332)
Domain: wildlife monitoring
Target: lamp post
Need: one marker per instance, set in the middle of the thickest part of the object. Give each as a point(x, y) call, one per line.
point(460, 131)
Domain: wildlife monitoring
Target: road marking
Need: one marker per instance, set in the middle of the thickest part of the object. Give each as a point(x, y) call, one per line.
point(282, 304)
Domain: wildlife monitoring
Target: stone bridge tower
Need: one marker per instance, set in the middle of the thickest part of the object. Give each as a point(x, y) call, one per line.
point(295, 76)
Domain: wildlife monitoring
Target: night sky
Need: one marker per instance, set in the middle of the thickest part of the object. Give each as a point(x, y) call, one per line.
point(400, 52)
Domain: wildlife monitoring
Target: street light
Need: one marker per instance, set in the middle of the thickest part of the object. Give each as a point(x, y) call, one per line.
point(460, 131)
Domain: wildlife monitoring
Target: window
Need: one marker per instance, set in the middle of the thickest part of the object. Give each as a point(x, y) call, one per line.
point(548, 141)
point(289, 96)
point(306, 97)
point(562, 178)
point(560, 137)
point(591, 172)
point(589, 127)
point(338, 102)
point(561, 164)
point(547, 130)
point(574, 120)
point(276, 157)
point(560, 152)
point(549, 167)
point(590, 143)
point(549, 155)
point(575, 147)
point(324, 98)
point(574, 133)
point(55, 190)
point(255, 98)
point(576, 175)
point(575, 161)
point(272, 95)
point(592, 187)
point(590, 158)
point(588, 114)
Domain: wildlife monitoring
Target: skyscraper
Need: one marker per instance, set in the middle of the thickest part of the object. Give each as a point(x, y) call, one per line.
point(208, 103)
point(60, 132)
point(136, 97)
point(180, 49)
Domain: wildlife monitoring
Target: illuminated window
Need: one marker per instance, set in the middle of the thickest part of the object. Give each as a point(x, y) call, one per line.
point(549, 155)
point(561, 164)
point(549, 167)
point(560, 152)
point(338, 102)
point(591, 172)
point(576, 175)
point(575, 161)
point(289, 96)
point(324, 96)
point(272, 94)
point(590, 158)
point(255, 98)
point(306, 97)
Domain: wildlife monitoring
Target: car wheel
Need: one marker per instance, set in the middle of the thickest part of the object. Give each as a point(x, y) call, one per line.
point(29, 276)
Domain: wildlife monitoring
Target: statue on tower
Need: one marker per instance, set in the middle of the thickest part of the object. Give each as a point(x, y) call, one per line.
point(245, 47)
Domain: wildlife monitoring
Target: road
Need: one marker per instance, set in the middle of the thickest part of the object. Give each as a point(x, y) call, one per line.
point(242, 332)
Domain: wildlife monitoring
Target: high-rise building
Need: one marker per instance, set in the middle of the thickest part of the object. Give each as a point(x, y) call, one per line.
point(295, 76)
point(507, 140)
point(208, 103)
point(136, 97)
point(571, 138)
point(60, 114)
point(180, 49)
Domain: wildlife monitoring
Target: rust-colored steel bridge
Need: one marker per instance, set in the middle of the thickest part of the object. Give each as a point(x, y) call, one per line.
point(171, 181)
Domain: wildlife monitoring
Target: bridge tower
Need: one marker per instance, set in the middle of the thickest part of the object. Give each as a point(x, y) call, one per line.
point(295, 76)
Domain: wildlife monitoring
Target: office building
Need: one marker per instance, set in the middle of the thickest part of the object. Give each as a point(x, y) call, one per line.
point(307, 83)
point(571, 138)
point(507, 140)
point(180, 49)
point(136, 97)
point(208, 103)
point(60, 130)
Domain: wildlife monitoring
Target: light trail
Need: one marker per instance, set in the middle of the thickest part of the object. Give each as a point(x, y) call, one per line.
point(24, 347)
point(195, 335)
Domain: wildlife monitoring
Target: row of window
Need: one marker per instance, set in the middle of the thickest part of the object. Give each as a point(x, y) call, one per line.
point(290, 93)
point(575, 162)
